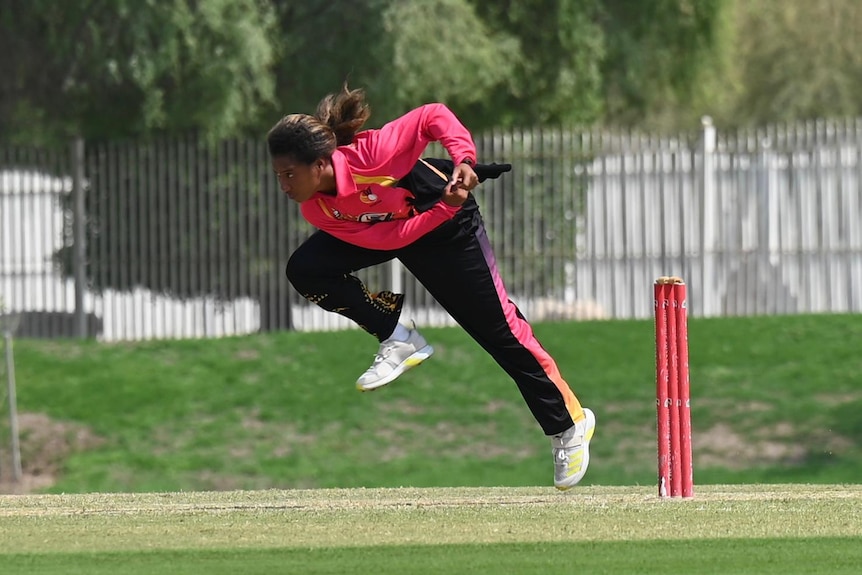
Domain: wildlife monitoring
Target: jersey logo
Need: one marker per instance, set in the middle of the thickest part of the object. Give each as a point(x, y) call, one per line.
point(366, 196)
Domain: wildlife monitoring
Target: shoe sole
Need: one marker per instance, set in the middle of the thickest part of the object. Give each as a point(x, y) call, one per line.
point(588, 436)
point(415, 359)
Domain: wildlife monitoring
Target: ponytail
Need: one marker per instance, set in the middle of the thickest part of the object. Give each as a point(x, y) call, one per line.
point(344, 113)
point(307, 138)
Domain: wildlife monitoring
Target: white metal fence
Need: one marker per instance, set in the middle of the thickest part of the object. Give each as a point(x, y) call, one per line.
point(180, 238)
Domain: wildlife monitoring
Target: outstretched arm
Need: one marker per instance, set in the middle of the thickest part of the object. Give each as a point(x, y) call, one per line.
point(394, 148)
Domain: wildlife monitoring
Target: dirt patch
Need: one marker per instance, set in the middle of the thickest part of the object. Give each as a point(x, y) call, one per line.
point(45, 444)
point(835, 399)
point(721, 446)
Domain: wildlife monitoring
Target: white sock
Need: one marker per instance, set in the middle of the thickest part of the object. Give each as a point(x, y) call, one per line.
point(401, 333)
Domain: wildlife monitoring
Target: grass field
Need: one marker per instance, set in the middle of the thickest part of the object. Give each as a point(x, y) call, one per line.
point(781, 529)
point(775, 400)
point(255, 455)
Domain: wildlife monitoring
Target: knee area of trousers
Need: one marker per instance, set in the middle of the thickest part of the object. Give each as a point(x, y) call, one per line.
point(298, 270)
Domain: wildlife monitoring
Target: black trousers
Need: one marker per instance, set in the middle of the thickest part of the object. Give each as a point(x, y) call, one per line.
point(456, 264)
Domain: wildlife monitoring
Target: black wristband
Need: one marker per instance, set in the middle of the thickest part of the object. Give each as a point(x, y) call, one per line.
point(469, 161)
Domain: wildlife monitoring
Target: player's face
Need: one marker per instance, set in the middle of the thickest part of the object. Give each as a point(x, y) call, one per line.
point(298, 180)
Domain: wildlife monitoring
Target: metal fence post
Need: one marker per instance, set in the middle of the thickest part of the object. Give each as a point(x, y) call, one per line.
point(709, 289)
point(8, 325)
point(79, 257)
point(396, 276)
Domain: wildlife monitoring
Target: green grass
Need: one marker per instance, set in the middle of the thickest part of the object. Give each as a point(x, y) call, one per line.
point(213, 448)
point(809, 556)
point(775, 400)
point(729, 529)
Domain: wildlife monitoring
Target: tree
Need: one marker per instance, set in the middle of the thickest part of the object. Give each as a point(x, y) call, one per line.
point(126, 68)
point(556, 71)
point(402, 52)
point(658, 54)
point(795, 60)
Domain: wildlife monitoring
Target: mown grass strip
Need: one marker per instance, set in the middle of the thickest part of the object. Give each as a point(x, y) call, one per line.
point(809, 556)
point(309, 519)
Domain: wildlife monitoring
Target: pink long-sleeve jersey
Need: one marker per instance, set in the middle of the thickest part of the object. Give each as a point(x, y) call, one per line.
point(368, 209)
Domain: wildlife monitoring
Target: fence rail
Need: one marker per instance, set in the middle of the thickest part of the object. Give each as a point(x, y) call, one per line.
point(179, 238)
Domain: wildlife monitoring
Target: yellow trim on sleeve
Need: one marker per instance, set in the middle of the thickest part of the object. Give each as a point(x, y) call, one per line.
point(387, 181)
point(435, 170)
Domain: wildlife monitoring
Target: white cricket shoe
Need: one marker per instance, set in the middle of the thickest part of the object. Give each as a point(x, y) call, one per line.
point(394, 358)
point(571, 450)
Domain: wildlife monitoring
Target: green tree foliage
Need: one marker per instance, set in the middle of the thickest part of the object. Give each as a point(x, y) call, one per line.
point(403, 52)
point(556, 72)
point(322, 44)
point(500, 62)
point(127, 67)
point(457, 59)
point(657, 55)
point(796, 59)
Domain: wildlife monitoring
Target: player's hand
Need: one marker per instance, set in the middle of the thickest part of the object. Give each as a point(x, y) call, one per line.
point(464, 174)
point(462, 181)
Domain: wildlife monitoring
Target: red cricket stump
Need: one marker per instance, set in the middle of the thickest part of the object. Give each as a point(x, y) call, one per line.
point(673, 397)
